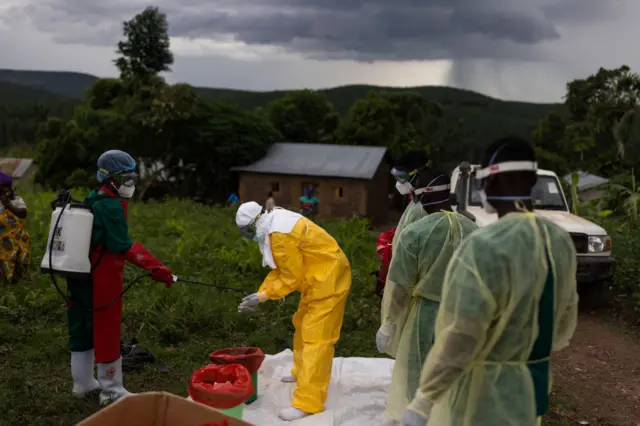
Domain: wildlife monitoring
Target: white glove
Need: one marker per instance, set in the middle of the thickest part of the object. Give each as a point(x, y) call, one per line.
point(249, 303)
point(383, 337)
point(411, 418)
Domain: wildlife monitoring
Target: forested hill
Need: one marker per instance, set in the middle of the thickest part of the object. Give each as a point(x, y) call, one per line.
point(74, 85)
point(475, 117)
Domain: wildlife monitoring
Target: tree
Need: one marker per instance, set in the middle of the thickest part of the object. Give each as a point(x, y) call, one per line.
point(401, 121)
point(304, 116)
point(552, 147)
point(602, 107)
point(145, 50)
point(60, 152)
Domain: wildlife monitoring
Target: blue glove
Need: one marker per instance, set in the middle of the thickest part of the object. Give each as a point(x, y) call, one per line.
point(411, 418)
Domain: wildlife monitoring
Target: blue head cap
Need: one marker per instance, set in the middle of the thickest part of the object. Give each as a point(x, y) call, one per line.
point(113, 162)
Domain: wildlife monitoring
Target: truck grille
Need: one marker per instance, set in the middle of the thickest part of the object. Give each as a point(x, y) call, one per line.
point(581, 242)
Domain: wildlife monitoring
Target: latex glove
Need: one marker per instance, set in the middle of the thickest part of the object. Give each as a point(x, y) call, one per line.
point(163, 275)
point(411, 418)
point(383, 337)
point(250, 303)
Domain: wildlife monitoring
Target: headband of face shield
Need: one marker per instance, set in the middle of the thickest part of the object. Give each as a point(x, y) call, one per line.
point(429, 189)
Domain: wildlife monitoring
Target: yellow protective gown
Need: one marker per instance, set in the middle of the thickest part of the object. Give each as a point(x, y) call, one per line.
point(479, 371)
point(310, 261)
point(412, 297)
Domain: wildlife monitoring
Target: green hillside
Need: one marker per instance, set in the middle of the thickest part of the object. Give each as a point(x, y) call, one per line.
point(474, 117)
point(65, 83)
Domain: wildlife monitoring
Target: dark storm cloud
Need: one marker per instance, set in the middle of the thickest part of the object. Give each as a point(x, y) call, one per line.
point(334, 29)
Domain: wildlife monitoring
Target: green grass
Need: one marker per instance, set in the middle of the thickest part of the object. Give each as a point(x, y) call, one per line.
point(180, 326)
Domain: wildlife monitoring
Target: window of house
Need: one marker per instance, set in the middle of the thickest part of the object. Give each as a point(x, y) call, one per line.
point(339, 192)
point(275, 186)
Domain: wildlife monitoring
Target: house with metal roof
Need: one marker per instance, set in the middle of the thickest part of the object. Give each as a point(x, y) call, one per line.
point(347, 180)
point(590, 186)
point(17, 168)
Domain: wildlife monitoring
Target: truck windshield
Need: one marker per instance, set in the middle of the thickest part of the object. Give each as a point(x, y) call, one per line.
point(547, 195)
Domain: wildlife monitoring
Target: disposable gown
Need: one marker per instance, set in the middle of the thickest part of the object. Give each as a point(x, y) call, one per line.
point(412, 297)
point(414, 211)
point(509, 299)
point(310, 261)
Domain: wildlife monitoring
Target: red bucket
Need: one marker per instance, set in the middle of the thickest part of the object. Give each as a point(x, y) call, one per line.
point(221, 386)
point(251, 358)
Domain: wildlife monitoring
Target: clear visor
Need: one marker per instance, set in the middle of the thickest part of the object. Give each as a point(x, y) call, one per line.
point(403, 176)
point(127, 178)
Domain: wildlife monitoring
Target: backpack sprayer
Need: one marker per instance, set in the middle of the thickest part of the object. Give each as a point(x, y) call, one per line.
point(69, 245)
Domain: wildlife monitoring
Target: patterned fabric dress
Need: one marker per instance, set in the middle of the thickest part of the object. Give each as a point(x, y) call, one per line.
point(14, 243)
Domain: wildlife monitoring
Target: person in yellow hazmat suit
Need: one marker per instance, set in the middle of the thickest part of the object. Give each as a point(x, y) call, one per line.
point(303, 257)
point(414, 284)
point(509, 299)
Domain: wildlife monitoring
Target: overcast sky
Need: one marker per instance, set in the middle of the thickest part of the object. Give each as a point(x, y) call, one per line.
point(511, 49)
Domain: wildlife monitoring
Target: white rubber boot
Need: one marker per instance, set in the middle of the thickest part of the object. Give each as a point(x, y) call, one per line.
point(288, 379)
point(82, 373)
point(290, 414)
point(110, 379)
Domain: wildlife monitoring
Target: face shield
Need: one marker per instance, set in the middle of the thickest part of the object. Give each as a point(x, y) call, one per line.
point(249, 231)
point(404, 179)
point(484, 175)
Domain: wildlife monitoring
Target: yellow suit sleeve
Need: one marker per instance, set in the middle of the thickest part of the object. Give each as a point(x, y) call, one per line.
point(288, 275)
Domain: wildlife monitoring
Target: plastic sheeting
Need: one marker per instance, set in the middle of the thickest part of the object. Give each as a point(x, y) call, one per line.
point(357, 393)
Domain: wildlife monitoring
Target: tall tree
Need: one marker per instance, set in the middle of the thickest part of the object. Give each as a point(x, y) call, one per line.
point(304, 116)
point(145, 50)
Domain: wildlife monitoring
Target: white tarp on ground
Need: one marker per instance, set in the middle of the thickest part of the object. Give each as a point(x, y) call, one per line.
point(357, 393)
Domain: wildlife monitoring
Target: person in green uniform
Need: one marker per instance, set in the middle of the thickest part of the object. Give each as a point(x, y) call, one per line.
point(509, 299)
point(95, 306)
point(412, 294)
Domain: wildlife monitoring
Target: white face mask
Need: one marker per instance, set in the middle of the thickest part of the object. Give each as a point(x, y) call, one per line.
point(404, 188)
point(126, 191)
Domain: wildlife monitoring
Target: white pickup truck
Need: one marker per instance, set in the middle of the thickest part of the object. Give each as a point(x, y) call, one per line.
point(593, 244)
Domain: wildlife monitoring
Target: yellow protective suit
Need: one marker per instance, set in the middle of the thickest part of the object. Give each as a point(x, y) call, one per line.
point(310, 261)
point(412, 297)
point(480, 371)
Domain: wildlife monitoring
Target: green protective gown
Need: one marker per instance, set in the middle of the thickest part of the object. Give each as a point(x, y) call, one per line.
point(110, 227)
point(414, 211)
point(509, 299)
point(412, 296)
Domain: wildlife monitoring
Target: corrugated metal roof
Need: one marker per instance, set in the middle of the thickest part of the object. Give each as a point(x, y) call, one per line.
point(346, 161)
point(586, 180)
point(15, 167)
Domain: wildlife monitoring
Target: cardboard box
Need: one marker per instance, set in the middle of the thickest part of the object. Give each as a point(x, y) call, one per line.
point(157, 409)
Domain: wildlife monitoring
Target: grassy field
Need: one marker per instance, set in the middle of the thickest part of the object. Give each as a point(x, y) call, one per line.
point(180, 326)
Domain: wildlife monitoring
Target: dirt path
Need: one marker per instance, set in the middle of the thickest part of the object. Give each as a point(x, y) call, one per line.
point(599, 373)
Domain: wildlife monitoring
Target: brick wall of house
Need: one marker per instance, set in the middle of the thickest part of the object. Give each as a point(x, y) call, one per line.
point(338, 197)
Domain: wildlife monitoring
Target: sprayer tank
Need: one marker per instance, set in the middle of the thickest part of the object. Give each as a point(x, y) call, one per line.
point(68, 256)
